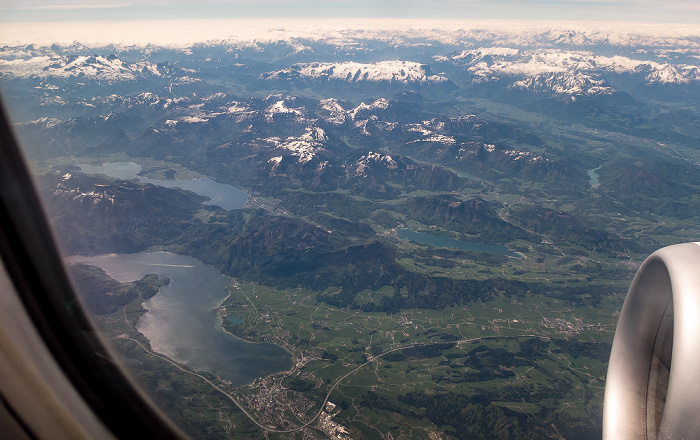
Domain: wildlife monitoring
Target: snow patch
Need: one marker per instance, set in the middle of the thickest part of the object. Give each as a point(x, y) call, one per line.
point(407, 72)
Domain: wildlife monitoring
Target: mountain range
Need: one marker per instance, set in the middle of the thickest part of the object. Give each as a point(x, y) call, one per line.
point(537, 170)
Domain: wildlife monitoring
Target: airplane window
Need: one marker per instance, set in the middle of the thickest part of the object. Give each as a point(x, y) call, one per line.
point(293, 221)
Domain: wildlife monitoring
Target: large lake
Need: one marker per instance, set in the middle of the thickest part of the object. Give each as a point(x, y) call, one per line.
point(182, 322)
point(221, 194)
point(447, 242)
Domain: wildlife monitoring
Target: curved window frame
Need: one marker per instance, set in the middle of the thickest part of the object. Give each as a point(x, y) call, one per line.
point(32, 259)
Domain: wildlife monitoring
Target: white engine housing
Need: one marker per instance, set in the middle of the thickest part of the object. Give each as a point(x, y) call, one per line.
point(653, 383)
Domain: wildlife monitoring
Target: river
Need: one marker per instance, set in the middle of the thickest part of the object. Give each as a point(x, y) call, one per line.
point(182, 322)
point(224, 195)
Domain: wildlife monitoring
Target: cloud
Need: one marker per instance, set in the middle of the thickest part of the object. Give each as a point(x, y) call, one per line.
point(669, 11)
point(68, 7)
point(73, 7)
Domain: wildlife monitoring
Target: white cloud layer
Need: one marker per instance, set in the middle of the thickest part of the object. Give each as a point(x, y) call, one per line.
point(69, 7)
point(181, 33)
point(676, 11)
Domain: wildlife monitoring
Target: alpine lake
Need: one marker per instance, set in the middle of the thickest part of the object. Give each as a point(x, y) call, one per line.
point(447, 242)
point(224, 195)
point(182, 321)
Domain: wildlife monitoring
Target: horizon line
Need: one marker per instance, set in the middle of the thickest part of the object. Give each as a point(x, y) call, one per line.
point(202, 30)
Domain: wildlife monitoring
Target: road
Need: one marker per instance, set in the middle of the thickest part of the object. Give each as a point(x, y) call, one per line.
point(333, 387)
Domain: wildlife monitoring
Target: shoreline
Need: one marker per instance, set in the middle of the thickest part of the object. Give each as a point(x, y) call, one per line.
point(287, 357)
point(234, 284)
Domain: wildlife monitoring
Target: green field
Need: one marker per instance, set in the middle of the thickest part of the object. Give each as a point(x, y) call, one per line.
point(506, 360)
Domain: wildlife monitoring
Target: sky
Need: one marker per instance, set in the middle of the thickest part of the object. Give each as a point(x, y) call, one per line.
point(184, 22)
point(670, 11)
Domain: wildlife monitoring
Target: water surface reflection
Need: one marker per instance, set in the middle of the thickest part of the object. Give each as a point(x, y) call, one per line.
point(182, 322)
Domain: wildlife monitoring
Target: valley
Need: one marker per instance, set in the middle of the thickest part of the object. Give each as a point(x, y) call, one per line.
point(335, 148)
point(371, 365)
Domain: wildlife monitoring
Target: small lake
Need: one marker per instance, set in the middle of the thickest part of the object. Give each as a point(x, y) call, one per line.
point(182, 322)
point(593, 176)
point(468, 176)
point(447, 242)
point(233, 319)
point(224, 195)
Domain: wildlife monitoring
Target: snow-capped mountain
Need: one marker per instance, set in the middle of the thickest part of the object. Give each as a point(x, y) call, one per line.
point(304, 147)
point(104, 68)
point(562, 72)
point(566, 83)
point(332, 111)
point(363, 64)
point(405, 72)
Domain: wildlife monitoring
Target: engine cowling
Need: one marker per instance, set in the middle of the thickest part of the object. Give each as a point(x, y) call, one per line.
point(653, 383)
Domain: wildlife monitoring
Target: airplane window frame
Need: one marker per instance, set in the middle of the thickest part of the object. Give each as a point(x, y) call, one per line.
point(32, 259)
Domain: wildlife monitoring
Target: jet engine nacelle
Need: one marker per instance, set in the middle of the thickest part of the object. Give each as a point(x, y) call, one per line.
point(653, 384)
